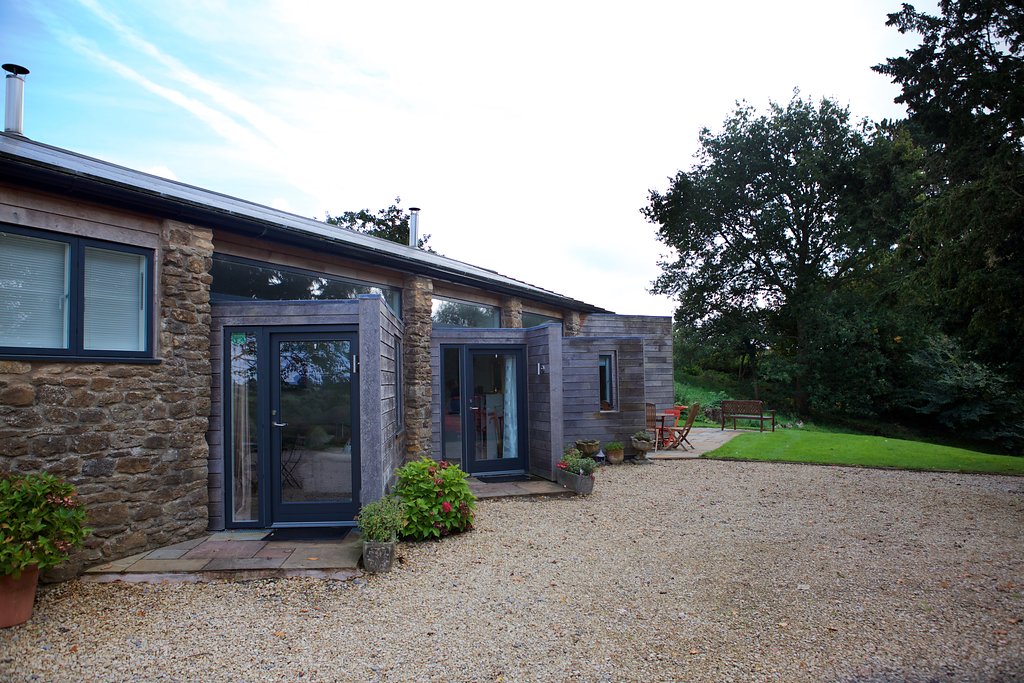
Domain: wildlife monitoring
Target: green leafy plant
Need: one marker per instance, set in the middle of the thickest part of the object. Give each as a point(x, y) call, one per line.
point(436, 498)
point(613, 446)
point(41, 519)
point(381, 520)
point(577, 464)
point(643, 435)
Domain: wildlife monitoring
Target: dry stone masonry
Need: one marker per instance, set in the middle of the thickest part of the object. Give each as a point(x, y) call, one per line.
point(417, 300)
point(130, 436)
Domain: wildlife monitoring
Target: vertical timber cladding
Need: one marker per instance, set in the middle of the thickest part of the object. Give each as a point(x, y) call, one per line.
point(583, 418)
point(656, 332)
point(379, 331)
point(544, 398)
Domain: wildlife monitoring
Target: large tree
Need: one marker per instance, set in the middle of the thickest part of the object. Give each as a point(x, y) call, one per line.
point(390, 224)
point(964, 91)
point(780, 212)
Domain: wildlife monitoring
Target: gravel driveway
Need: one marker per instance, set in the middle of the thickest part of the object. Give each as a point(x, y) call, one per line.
point(677, 571)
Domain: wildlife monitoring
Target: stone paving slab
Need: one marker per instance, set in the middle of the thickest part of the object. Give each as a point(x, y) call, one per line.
point(173, 552)
point(223, 549)
point(236, 563)
point(704, 439)
point(150, 566)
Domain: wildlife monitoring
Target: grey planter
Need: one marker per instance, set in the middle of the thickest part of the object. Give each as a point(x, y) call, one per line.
point(378, 556)
point(583, 484)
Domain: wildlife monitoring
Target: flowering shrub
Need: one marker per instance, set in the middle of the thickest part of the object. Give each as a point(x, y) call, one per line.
point(576, 464)
point(436, 497)
point(41, 519)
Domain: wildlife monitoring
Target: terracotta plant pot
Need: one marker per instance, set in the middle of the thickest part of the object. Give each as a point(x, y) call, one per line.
point(614, 457)
point(17, 596)
point(378, 556)
point(583, 484)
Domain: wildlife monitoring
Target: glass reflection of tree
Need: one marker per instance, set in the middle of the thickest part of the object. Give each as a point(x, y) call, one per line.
point(233, 280)
point(315, 391)
point(458, 314)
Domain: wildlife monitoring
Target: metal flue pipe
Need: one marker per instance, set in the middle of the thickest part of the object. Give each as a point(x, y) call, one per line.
point(14, 119)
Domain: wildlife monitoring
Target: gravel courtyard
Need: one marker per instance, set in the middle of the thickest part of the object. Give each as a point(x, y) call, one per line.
point(673, 571)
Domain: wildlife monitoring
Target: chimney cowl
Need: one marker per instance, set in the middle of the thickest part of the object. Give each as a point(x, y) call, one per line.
point(15, 108)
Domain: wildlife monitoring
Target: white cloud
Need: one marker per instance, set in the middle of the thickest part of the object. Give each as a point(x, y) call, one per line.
point(528, 133)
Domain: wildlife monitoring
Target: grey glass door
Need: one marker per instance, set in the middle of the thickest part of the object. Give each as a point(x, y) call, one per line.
point(314, 456)
point(484, 415)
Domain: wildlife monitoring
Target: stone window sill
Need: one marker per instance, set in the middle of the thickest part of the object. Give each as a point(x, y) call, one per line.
point(125, 360)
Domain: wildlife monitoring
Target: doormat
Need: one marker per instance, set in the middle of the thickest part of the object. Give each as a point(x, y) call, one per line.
point(321, 533)
point(502, 478)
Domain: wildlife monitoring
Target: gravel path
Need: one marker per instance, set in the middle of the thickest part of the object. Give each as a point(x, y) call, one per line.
point(678, 571)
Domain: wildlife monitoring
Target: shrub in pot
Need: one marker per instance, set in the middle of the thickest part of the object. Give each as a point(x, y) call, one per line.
point(379, 524)
point(41, 519)
point(576, 472)
point(614, 452)
point(436, 499)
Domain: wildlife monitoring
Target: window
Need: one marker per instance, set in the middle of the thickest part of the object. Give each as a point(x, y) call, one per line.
point(452, 313)
point(606, 367)
point(535, 319)
point(69, 296)
point(236, 279)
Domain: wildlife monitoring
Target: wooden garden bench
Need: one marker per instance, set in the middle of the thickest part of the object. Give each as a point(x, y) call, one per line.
point(747, 410)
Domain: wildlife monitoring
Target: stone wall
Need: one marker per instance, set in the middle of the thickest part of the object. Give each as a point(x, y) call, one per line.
point(130, 436)
point(512, 312)
point(417, 300)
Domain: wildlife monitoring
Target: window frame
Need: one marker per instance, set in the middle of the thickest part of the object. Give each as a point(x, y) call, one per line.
point(610, 376)
point(304, 272)
point(496, 312)
point(75, 315)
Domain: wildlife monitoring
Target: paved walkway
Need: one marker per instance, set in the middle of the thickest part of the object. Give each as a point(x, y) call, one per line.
point(704, 439)
point(236, 556)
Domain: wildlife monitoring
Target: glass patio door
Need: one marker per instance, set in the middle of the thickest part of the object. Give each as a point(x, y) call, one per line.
point(314, 460)
point(484, 415)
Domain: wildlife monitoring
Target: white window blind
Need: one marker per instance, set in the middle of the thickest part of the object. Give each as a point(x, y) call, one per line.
point(33, 292)
point(115, 301)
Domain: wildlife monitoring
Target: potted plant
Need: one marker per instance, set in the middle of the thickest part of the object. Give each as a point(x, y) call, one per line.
point(614, 452)
point(643, 443)
point(588, 447)
point(41, 519)
point(379, 524)
point(576, 472)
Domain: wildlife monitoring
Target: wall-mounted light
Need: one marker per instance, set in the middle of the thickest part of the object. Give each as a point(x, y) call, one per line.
point(542, 369)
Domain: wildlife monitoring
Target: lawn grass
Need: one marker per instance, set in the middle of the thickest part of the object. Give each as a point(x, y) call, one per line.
point(859, 450)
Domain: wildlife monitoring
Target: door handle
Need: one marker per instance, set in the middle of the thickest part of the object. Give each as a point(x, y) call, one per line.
point(279, 424)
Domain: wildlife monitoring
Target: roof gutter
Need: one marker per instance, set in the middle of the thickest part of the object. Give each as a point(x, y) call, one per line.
point(91, 187)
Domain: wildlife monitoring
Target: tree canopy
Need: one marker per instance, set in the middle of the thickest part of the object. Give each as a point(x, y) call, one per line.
point(777, 215)
point(390, 224)
point(866, 268)
point(964, 91)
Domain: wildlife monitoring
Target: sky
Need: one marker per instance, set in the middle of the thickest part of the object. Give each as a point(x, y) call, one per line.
point(529, 133)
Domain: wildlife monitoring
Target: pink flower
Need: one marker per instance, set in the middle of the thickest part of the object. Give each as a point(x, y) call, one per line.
point(438, 482)
point(446, 506)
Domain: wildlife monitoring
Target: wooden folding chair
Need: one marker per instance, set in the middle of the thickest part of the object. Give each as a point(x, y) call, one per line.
point(652, 423)
point(676, 436)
